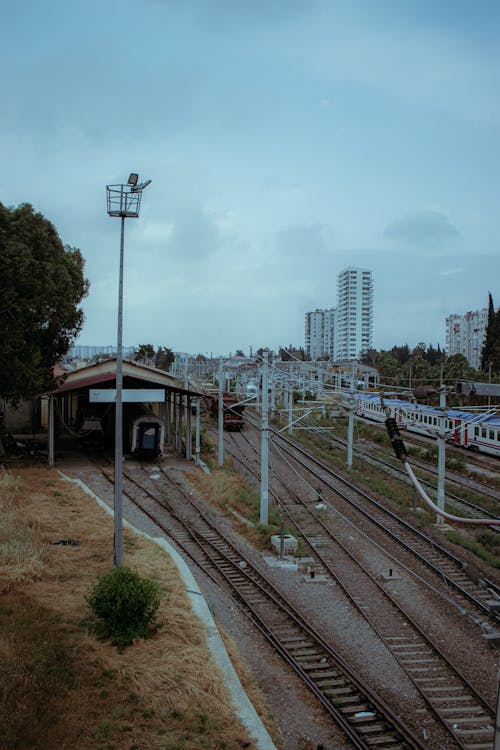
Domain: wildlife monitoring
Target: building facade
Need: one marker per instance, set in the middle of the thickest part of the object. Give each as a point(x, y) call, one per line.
point(318, 333)
point(354, 313)
point(465, 335)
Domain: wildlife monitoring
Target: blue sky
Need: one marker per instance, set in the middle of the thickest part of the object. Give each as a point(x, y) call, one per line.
point(285, 140)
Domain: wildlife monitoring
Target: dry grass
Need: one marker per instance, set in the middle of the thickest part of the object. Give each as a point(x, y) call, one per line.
point(59, 687)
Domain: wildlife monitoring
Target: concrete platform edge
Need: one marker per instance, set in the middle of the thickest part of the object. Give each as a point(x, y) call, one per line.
point(244, 707)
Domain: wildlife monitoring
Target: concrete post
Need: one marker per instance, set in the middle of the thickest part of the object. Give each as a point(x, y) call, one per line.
point(220, 455)
point(441, 454)
point(264, 451)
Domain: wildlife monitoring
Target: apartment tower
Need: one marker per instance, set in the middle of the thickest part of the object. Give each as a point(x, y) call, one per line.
point(354, 313)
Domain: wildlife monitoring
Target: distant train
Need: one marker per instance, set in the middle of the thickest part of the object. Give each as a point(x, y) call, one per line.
point(471, 430)
point(143, 431)
point(232, 413)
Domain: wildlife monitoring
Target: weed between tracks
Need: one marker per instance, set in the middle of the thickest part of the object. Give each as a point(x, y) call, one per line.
point(59, 687)
point(226, 489)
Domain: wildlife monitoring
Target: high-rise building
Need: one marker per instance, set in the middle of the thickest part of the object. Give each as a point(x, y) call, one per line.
point(465, 335)
point(319, 333)
point(354, 313)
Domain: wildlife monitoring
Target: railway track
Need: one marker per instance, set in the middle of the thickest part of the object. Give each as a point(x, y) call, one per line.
point(464, 507)
point(466, 715)
point(356, 708)
point(446, 566)
point(483, 462)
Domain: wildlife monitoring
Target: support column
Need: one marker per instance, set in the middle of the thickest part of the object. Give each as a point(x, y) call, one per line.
point(162, 412)
point(51, 437)
point(198, 441)
point(167, 418)
point(189, 437)
point(179, 424)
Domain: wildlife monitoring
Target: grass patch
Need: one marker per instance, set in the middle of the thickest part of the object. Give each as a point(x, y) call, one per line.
point(21, 548)
point(476, 547)
point(228, 491)
point(59, 687)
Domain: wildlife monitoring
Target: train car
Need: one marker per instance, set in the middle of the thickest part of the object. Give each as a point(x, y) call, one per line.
point(146, 434)
point(143, 431)
point(232, 412)
point(474, 431)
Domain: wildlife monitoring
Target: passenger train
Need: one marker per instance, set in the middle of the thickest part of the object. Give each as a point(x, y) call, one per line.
point(471, 430)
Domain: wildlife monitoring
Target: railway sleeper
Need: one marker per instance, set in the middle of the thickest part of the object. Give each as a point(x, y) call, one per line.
point(473, 732)
point(304, 649)
point(404, 660)
point(328, 682)
point(307, 654)
point(374, 728)
point(386, 740)
point(343, 694)
point(478, 722)
point(291, 638)
point(477, 709)
point(354, 708)
point(315, 666)
point(324, 675)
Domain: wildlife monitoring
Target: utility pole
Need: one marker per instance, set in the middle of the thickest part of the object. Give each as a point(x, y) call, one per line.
point(290, 406)
point(441, 452)
point(264, 450)
point(350, 426)
point(221, 414)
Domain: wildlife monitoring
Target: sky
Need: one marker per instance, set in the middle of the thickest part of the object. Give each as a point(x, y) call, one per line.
point(285, 140)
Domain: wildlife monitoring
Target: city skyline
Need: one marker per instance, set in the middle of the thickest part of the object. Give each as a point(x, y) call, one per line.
point(284, 140)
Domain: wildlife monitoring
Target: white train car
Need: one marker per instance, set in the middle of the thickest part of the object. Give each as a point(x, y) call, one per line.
point(471, 430)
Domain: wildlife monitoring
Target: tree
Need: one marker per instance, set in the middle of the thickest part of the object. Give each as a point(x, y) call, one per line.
point(491, 346)
point(145, 353)
point(164, 358)
point(41, 286)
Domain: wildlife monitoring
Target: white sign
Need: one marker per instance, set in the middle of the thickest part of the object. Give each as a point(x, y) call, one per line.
point(129, 395)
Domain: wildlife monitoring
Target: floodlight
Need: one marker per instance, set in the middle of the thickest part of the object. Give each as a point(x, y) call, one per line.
point(132, 180)
point(141, 186)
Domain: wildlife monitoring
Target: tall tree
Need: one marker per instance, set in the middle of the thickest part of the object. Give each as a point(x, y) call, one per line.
point(145, 353)
point(164, 358)
point(41, 286)
point(491, 346)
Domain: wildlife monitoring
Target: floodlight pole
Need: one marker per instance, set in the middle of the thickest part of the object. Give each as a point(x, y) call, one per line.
point(123, 201)
point(118, 515)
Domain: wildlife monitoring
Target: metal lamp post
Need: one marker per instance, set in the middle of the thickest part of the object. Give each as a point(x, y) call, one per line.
point(123, 201)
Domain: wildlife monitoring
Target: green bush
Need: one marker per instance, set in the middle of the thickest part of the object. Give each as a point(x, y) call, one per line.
point(124, 606)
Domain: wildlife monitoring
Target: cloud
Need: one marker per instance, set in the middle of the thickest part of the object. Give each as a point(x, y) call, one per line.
point(302, 240)
point(423, 227)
